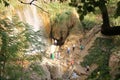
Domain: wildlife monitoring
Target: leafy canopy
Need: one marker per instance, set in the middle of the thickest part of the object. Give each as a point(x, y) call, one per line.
point(5, 2)
point(86, 6)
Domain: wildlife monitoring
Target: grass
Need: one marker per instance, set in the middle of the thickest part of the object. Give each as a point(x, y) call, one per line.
point(56, 8)
point(90, 21)
point(115, 21)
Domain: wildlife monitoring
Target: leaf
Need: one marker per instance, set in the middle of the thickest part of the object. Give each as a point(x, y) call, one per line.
point(82, 1)
point(73, 3)
point(81, 17)
point(79, 6)
point(6, 3)
point(117, 13)
point(85, 12)
point(90, 9)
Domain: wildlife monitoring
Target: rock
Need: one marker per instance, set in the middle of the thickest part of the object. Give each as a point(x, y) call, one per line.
point(46, 73)
point(34, 76)
point(62, 26)
point(56, 72)
point(74, 76)
point(114, 64)
point(79, 70)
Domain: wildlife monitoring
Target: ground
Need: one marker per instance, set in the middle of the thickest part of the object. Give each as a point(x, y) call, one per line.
point(77, 55)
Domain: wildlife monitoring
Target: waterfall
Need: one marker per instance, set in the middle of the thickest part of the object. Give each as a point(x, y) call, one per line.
point(30, 15)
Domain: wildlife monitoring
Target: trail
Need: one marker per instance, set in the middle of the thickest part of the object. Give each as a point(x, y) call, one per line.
point(77, 55)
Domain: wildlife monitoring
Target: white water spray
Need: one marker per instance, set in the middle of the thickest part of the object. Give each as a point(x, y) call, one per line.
point(31, 16)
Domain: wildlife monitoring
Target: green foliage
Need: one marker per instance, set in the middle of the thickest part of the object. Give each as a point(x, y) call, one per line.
point(5, 2)
point(55, 8)
point(34, 38)
point(13, 71)
point(117, 13)
point(87, 25)
point(17, 38)
point(86, 6)
point(101, 73)
point(64, 21)
point(37, 68)
point(36, 57)
point(99, 54)
point(90, 21)
point(117, 76)
point(63, 17)
point(115, 21)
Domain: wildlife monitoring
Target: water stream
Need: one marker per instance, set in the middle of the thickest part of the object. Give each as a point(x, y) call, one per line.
point(30, 15)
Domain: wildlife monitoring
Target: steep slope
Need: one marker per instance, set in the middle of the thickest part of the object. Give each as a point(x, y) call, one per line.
point(64, 66)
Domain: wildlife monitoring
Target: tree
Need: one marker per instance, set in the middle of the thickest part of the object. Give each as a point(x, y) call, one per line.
point(5, 2)
point(86, 6)
point(17, 39)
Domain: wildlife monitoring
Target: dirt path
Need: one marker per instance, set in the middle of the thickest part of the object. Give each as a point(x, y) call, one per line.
point(77, 55)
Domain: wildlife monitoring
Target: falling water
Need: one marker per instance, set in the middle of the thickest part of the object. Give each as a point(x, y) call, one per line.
point(30, 15)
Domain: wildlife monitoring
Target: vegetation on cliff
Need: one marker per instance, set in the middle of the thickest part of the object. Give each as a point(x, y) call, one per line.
point(18, 38)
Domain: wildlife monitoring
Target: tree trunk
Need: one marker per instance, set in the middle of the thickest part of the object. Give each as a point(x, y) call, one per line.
point(105, 28)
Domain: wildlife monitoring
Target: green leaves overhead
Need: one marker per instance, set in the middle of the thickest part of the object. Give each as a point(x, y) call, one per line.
point(117, 13)
point(86, 6)
point(5, 2)
point(16, 39)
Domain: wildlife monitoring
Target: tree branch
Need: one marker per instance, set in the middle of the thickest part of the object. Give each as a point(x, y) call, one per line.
point(114, 30)
point(31, 3)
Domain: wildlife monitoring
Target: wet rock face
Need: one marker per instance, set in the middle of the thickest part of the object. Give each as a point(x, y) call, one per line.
point(62, 26)
point(57, 33)
point(114, 65)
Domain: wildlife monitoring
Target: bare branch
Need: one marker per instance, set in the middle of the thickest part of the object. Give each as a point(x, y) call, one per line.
point(31, 3)
point(40, 8)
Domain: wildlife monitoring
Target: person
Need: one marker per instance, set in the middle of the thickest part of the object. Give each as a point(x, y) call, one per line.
point(55, 42)
point(74, 75)
point(73, 47)
point(52, 56)
point(98, 74)
point(68, 50)
point(58, 55)
point(72, 63)
point(87, 68)
point(81, 47)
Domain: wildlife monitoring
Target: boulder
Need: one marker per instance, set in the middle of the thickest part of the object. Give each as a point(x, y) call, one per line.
point(56, 72)
point(46, 73)
point(62, 25)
